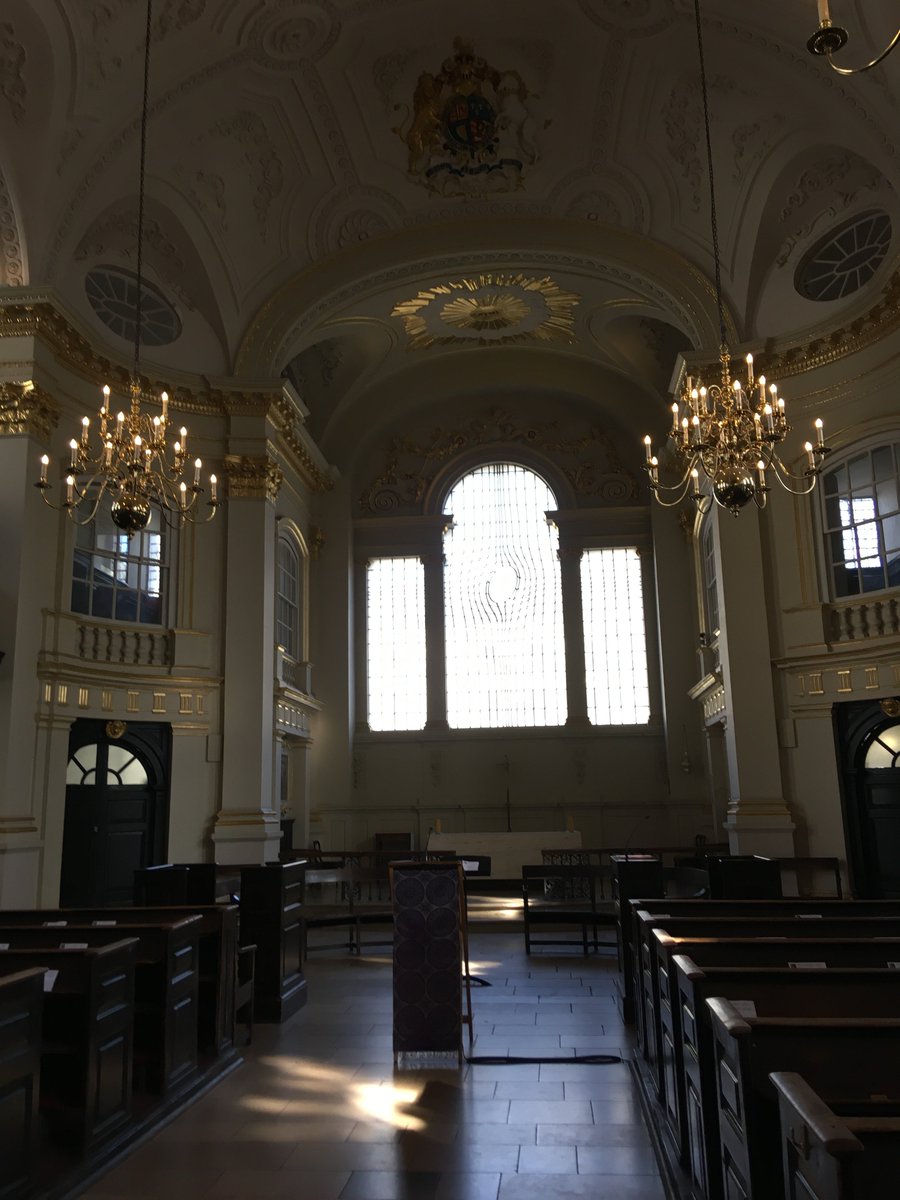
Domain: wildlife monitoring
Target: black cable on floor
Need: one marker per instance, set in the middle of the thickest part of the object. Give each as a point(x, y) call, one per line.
point(478, 981)
point(493, 1060)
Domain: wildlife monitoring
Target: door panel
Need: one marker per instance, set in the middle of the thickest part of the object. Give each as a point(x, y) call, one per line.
point(113, 826)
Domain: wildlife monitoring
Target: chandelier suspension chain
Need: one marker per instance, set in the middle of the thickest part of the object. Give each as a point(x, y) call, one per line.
point(724, 438)
point(714, 223)
point(138, 314)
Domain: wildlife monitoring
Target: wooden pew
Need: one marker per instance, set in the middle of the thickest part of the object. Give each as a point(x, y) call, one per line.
point(218, 933)
point(271, 909)
point(86, 1046)
point(271, 917)
point(848, 1057)
point(689, 1105)
point(165, 990)
point(21, 1010)
point(842, 1151)
point(791, 921)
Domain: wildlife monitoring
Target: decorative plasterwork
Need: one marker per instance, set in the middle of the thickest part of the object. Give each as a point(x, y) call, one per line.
point(252, 478)
point(12, 64)
point(824, 348)
point(488, 310)
point(39, 318)
point(291, 443)
point(590, 462)
point(277, 327)
point(471, 128)
point(842, 176)
point(25, 409)
point(12, 272)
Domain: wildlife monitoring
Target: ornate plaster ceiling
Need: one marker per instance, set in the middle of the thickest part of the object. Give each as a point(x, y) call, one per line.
point(317, 162)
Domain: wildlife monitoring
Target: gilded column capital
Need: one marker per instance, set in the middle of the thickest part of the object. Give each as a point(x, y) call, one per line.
point(249, 477)
point(26, 409)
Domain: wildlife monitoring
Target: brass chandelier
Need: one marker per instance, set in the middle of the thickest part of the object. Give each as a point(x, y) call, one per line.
point(829, 38)
point(728, 433)
point(128, 458)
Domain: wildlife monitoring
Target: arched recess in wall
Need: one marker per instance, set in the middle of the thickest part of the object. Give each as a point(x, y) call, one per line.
point(291, 590)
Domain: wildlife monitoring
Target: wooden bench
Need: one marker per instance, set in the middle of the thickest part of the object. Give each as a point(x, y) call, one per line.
point(743, 919)
point(566, 897)
point(848, 1057)
point(842, 1151)
point(218, 936)
point(689, 1106)
point(165, 990)
point(271, 904)
point(21, 1010)
point(86, 1043)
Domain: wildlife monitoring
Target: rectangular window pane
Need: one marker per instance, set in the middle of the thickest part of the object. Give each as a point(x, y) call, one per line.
point(395, 642)
point(615, 647)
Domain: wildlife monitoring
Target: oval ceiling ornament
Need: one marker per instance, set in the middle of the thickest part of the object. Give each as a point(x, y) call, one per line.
point(489, 309)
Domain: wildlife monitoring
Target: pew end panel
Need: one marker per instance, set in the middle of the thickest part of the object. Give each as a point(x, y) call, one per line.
point(843, 1150)
point(21, 1012)
point(840, 1057)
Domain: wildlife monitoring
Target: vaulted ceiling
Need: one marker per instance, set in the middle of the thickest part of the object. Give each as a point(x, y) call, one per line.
point(318, 170)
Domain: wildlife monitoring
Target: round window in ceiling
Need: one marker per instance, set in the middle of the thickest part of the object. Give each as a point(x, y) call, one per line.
point(846, 259)
point(112, 292)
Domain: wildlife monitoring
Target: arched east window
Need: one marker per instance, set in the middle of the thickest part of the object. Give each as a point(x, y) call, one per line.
point(503, 602)
point(287, 597)
point(117, 577)
point(862, 521)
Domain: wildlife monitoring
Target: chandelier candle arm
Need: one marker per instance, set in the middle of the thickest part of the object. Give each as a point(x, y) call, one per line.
point(829, 38)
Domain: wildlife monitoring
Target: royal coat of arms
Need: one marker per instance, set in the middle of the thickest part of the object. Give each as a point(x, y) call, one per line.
point(471, 128)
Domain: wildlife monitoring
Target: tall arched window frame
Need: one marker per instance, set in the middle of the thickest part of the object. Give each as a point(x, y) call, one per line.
point(861, 520)
point(288, 597)
point(472, 568)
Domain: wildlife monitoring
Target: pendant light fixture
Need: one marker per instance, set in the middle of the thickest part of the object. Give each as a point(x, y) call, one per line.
point(729, 432)
point(126, 459)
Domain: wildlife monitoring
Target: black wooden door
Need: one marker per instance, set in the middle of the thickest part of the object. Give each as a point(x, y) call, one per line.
point(868, 738)
point(116, 809)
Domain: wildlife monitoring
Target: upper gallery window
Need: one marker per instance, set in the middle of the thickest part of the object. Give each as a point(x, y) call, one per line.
point(287, 597)
point(862, 522)
point(503, 602)
point(119, 577)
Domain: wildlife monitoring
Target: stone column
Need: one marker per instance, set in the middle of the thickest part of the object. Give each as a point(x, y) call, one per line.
point(30, 536)
point(435, 642)
point(247, 826)
point(758, 820)
point(573, 628)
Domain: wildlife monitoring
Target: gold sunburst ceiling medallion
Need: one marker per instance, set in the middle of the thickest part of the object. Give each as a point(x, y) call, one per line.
point(489, 309)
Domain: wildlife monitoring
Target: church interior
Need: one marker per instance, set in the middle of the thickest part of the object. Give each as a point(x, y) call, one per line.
point(415, 301)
